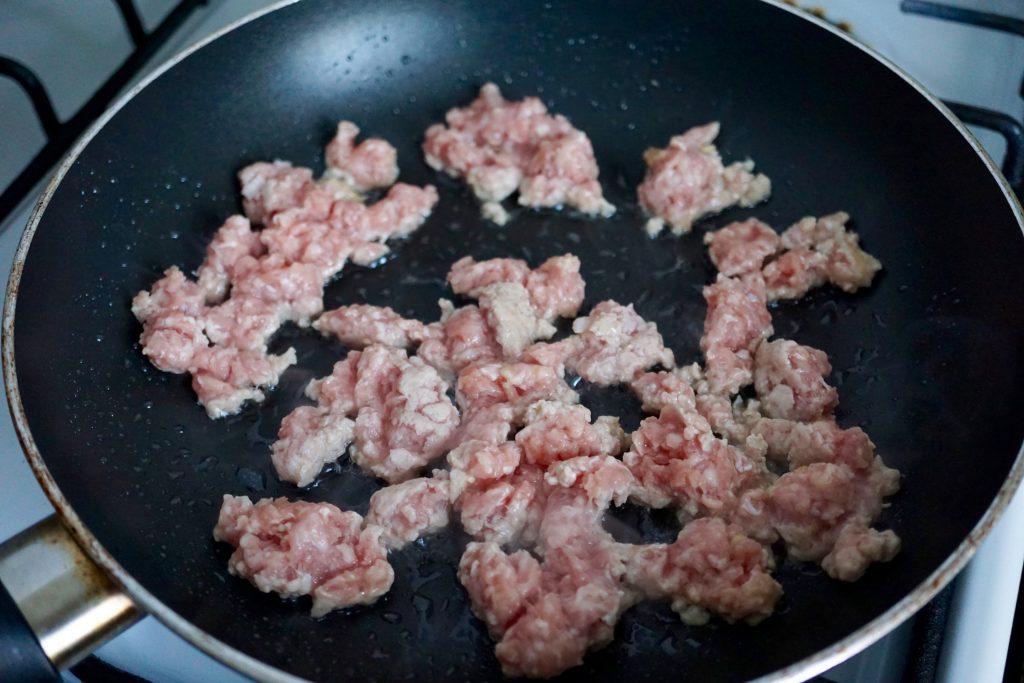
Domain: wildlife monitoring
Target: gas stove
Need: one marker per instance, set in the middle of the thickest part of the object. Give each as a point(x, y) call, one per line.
point(973, 60)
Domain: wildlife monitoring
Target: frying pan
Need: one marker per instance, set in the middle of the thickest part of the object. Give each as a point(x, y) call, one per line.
point(928, 360)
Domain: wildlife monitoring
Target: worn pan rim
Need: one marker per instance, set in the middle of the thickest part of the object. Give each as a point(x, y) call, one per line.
point(798, 671)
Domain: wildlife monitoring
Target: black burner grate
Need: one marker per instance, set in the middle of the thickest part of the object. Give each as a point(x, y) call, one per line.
point(1007, 126)
point(61, 135)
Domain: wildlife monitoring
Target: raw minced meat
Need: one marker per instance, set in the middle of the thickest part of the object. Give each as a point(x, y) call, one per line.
point(500, 585)
point(555, 287)
point(475, 461)
point(298, 548)
point(371, 164)
point(171, 313)
point(741, 247)
point(687, 181)
point(309, 438)
point(810, 505)
point(500, 147)
point(790, 381)
point(506, 510)
point(242, 322)
point(557, 431)
point(659, 389)
point(516, 323)
point(737, 321)
point(224, 377)
point(465, 337)
point(711, 568)
point(358, 325)
point(517, 385)
point(803, 443)
point(856, 548)
point(410, 510)
point(820, 250)
point(616, 344)
point(232, 241)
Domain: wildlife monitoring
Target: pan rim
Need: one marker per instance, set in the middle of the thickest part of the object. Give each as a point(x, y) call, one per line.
point(250, 666)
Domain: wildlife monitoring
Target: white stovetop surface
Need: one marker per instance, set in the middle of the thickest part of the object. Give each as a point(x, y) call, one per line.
point(970, 65)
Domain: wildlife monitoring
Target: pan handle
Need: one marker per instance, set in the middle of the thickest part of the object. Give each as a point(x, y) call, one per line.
point(56, 604)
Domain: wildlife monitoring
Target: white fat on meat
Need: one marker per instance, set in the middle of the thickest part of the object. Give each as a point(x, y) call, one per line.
point(516, 324)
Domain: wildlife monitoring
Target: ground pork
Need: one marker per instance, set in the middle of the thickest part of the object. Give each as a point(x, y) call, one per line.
point(557, 431)
point(731, 420)
point(820, 250)
point(810, 505)
point(224, 377)
point(790, 381)
point(295, 288)
point(616, 345)
point(677, 460)
point(309, 438)
point(500, 146)
point(517, 385)
point(337, 390)
point(737, 321)
point(516, 324)
point(555, 287)
point(299, 548)
point(475, 461)
point(358, 325)
point(507, 510)
point(856, 548)
point(371, 164)
point(687, 181)
point(500, 585)
point(803, 443)
point(491, 424)
point(711, 568)
point(410, 510)
point(404, 426)
point(741, 247)
point(232, 241)
point(464, 337)
point(659, 389)
point(171, 313)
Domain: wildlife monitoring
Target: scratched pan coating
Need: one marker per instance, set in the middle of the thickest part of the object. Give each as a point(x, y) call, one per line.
point(927, 360)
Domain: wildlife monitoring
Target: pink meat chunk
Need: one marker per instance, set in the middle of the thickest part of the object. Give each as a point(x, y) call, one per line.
point(500, 585)
point(269, 188)
point(558, 431)
point(509, 313)
point(337, 391)
point(465, 338)
point(406, 424)
point(820, 250)
point(243, 322)
point(616, 345)
point(308, 241)
point(507, 510)
point(232, 241)
point(687, 181)
point(659, 389)
point(731, 420)
point(224, 377)
point(403, 209)
point(295, 288)
point(517, 385)
point(410, 510)
point(794, 273)
point(371, 164)
point(737, 321)
point(790, 381)
point(581, 595)
point(810, 505)
point(553, 355)
point(299, 548)
point(500, 146)
point(711, 568)
point(491, 424)
point(602, 479)
point(475, 461)
point(359, 325)
point(555, 287)
point(741, 247)
point(309, 438)
point(171, 313)
point(676, 459)
point(857, 548)
point(804, 443)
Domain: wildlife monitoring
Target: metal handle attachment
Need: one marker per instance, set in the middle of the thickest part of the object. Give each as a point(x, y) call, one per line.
point(70, 604)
